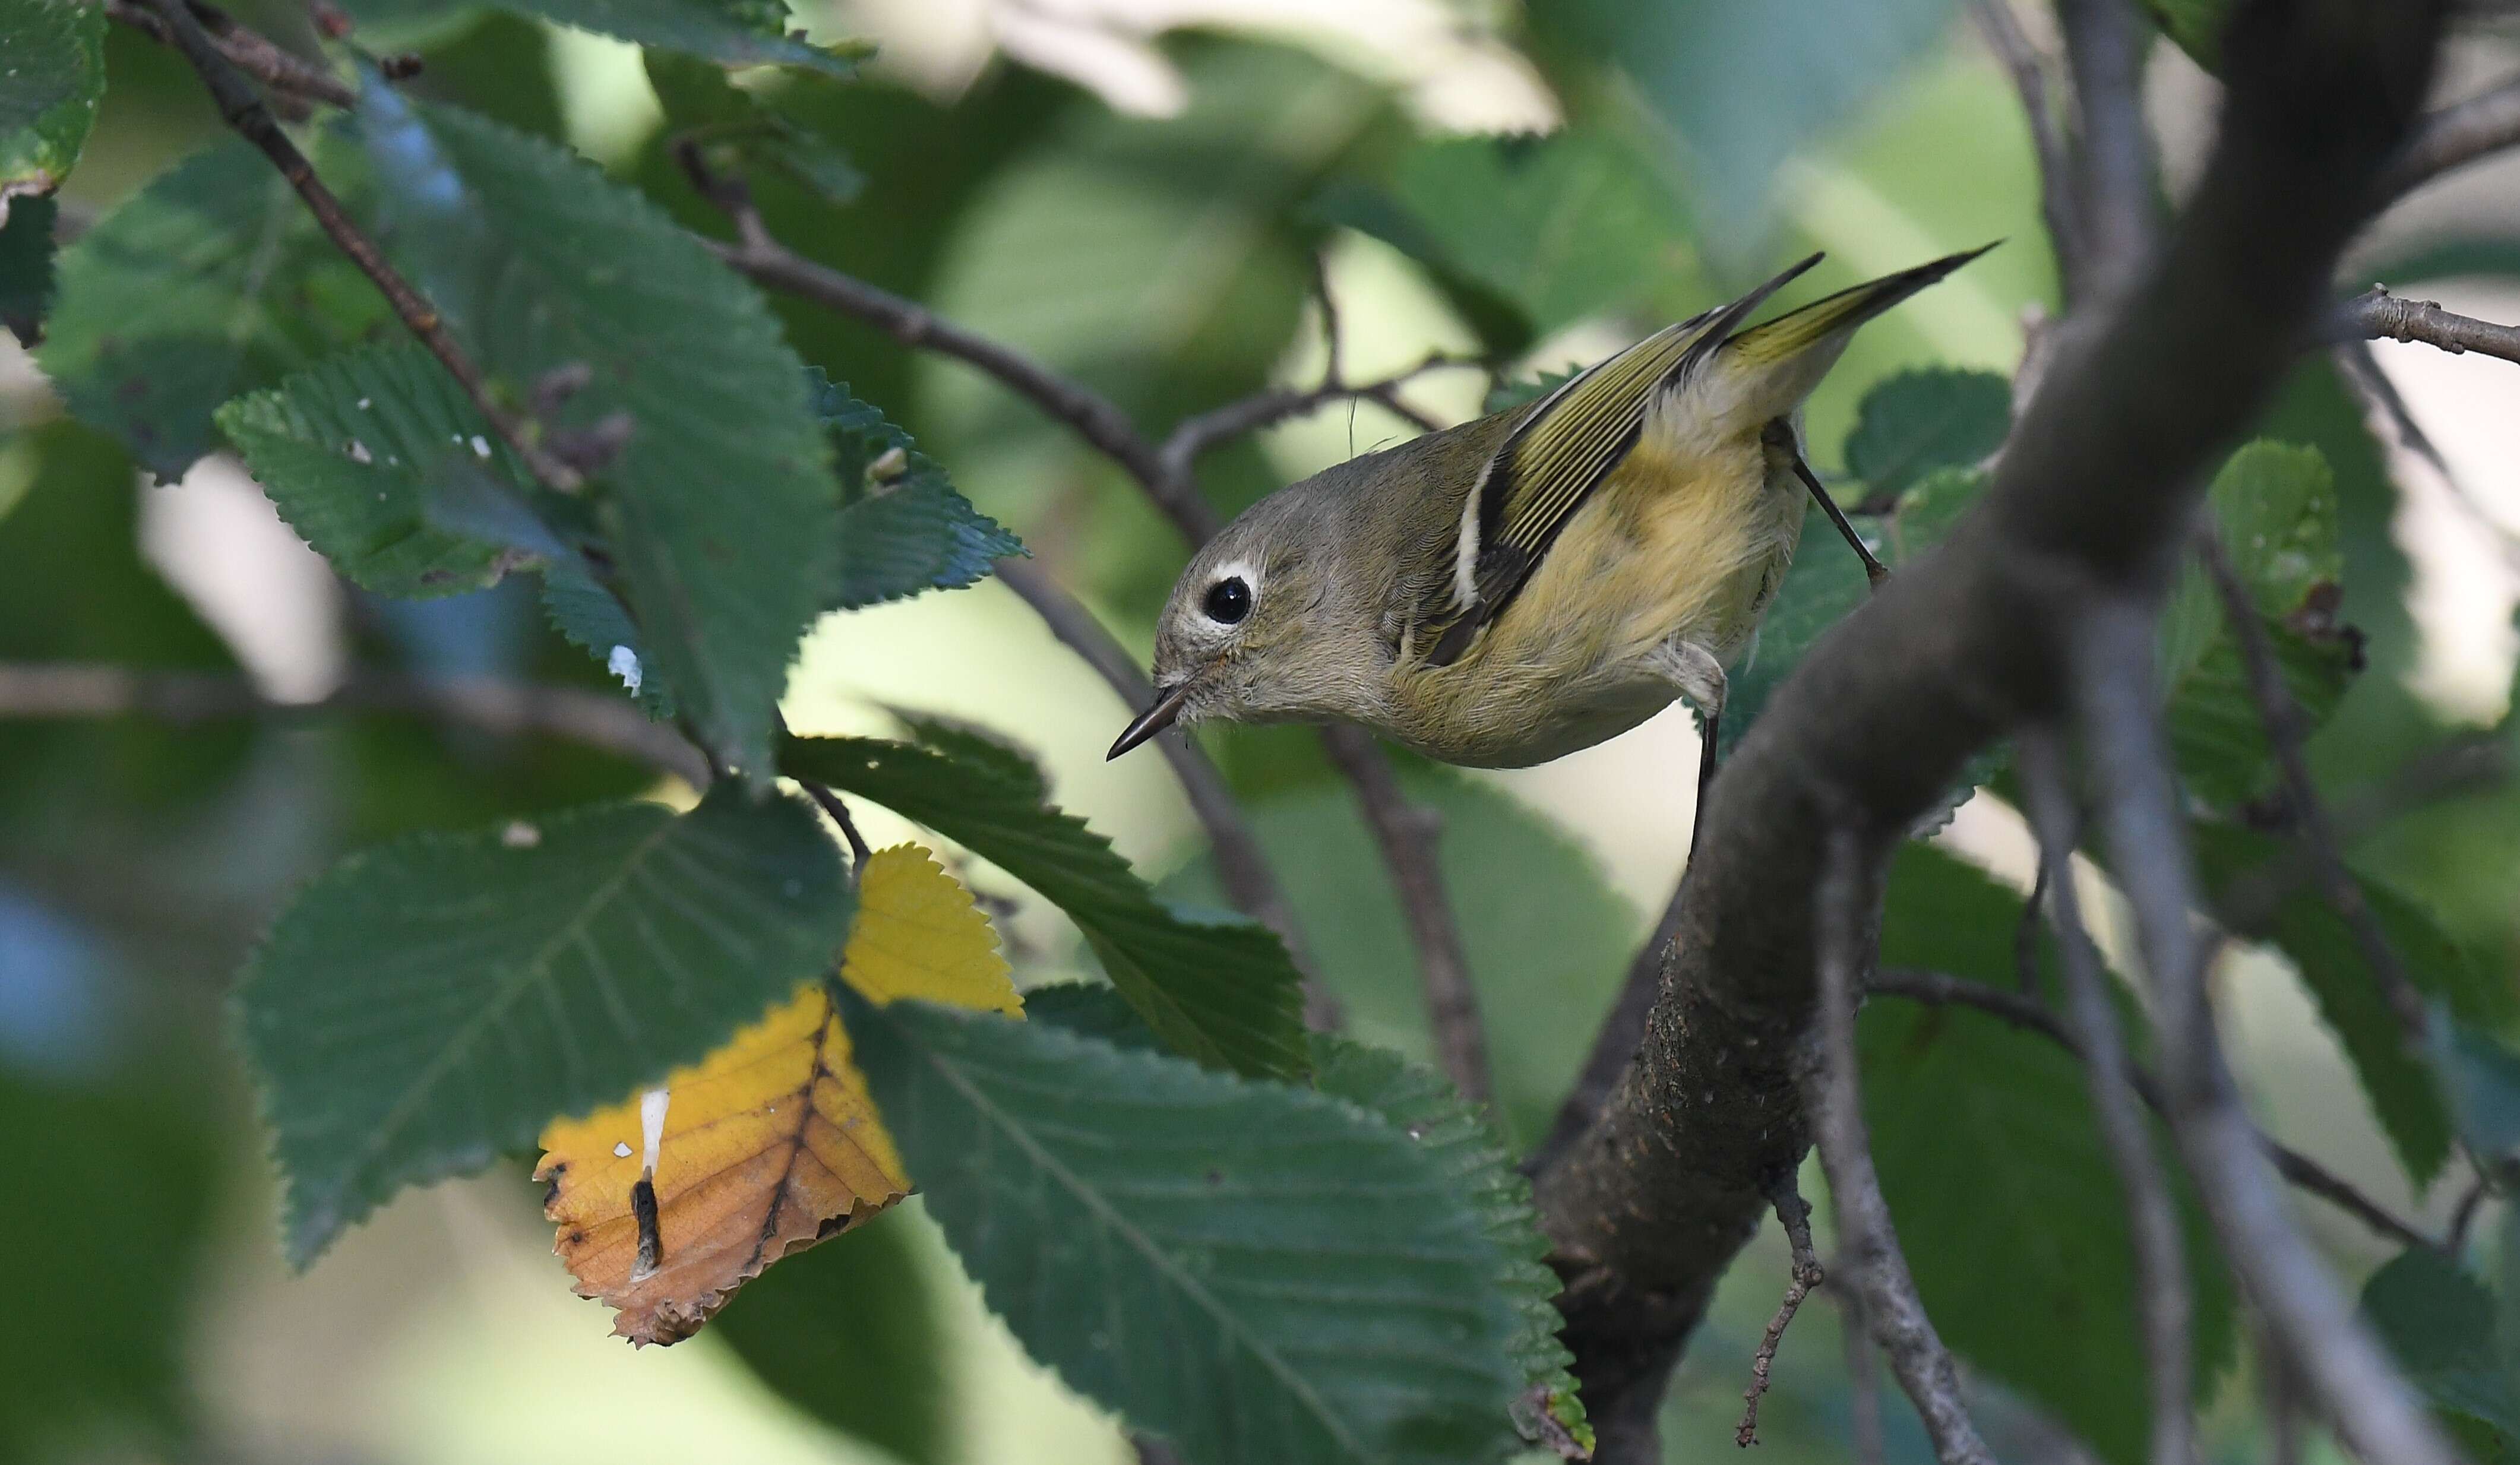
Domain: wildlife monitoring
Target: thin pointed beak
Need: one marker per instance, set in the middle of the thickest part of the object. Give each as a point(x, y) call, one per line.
point(1154, 720)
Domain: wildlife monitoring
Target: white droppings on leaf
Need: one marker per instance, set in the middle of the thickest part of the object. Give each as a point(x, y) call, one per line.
point(481, 446)
point(651, 1125)
point(624, 663)
point(520, 836)
point(359, 451)
point(362, 404)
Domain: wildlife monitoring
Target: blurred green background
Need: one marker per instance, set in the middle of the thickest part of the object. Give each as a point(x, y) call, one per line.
point(1135, 191)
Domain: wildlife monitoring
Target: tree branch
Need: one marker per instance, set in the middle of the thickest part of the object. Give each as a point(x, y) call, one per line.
point(2090, 498)
point(2312, 1322)
point(1940, 989)
point(2113, 184)
point(1804, 1273)
point(2457, 135)
point(2160, 1247)
point(1407, 834)
point(483, 704)
point(248, 51)
point(1847, 894)
point(2028, 69)
point(244, 112)
point(2382, 316)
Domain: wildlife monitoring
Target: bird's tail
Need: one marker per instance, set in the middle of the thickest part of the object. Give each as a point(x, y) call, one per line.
point(1776, 364)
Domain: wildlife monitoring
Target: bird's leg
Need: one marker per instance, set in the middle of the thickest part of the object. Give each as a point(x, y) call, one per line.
point(1707, 726)
point(1873, 569)
point(1699, 678)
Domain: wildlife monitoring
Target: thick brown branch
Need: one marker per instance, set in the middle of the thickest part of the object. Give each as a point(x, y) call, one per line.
point(2091, 497)
point(2160, 1246)
point(2382, 316)
point(1869, 1258)
point(2458, 135)
point(2309, 1319)
point(244, 110)
point(501, 709)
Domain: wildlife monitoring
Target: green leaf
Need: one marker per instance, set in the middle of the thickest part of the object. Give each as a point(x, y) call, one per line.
point(1917, 421)
point(2482, 1077)
point(2002, 1187)
point(729, 33)
point(350, 453)
point(1254, 1271)
point(1743, 87)
point(904, 528)
point(734, 125)
point(1557, 227)
point(2442, 1324)
point(1547, 937)
point(52, 74)
point(435, 1002)
point(241, 290)
point(2274, 511)
point(2319, 941)
point(26, 268)
point(851, 1331)
point(1420, 1104)
point(1221, 992)
point(722, 502)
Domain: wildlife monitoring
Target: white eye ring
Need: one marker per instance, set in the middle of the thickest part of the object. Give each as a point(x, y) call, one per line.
point(1231, 595)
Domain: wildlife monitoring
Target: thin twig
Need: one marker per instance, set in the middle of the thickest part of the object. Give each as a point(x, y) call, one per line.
point(1407, 834)
point(2457, 135)
point(1095, 417)
point(2283, 719)
point(483, 704)
point(1195, 436)
point(1793, 1213)
point(2382, 316)
point(2160, 1249)
point(1870, 1255)
point(1242, 864)
point(2021, 60)
point(2356, 1383)
point(245, 112)
point(2113, 153)
point(249, 52)
point(831, 804)
point(1940, 989)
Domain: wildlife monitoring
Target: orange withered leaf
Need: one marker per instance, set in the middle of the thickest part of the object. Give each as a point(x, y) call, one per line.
point(770, 1143)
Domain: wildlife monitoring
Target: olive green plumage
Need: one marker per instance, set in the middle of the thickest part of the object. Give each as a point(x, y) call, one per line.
point(1513, 589)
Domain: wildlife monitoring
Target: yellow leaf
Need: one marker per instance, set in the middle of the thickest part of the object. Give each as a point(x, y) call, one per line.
point(771, 1143)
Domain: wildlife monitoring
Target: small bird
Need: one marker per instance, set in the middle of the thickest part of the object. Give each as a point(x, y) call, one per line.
point(1512, 590)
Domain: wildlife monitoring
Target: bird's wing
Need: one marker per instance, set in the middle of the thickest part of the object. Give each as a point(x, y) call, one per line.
point(1553, 459)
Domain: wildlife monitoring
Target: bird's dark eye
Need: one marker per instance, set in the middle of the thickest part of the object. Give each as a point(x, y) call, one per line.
point(1228, 601)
